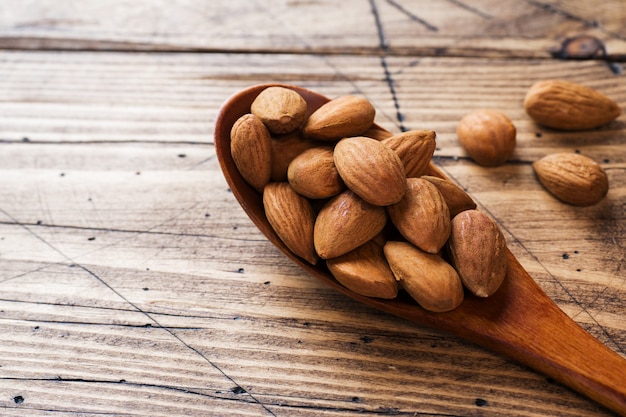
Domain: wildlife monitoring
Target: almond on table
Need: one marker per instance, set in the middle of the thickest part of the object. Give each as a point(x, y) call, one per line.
point(566, 105)
point(488, 136)
point(572, 178)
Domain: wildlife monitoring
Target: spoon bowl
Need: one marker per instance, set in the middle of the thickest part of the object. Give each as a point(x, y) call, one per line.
point(519, 321)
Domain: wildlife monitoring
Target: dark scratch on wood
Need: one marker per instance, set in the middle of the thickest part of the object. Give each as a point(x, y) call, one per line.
point(413, 16)
point(571, 16)
point(471, 9)
point(383, 60)
point(149, 231)
point(149, 316)
point(184, 390)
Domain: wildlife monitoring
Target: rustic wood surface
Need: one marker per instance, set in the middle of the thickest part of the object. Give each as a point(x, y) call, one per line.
point(132, 283)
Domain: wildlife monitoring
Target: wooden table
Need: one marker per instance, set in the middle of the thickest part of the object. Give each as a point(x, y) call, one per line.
point(133, 284)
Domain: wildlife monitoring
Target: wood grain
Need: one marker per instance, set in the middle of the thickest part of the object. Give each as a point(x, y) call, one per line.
point(131, 283)
point(522, 28)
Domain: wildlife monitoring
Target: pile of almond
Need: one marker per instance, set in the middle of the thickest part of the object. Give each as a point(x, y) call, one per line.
point(338, 190)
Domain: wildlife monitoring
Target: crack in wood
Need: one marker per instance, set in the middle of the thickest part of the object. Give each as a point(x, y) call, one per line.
point(185, 390)
point(383, 61)
point(571, 16)
point(114, 309)
point(131, 231)
point(413, 16)
point(135, 307)
point(471, 9)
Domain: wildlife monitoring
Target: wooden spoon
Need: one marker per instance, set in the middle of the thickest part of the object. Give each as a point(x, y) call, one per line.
point(519, 320)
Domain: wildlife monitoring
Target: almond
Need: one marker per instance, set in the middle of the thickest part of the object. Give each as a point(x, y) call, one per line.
point(427, 277)
point(422, 216)
point(345, 223)
point(284, 149)
point(572, 178)
point(281, 109)
point(376, 132)
point(415, 148)
point(478, 252)
point(292, 218)
point(339, 118)
point(488, 136)
point(251, 149)
point(569, 106)
point(456, 199)
point(365, 271)
point(314, 175)
point(370, 169)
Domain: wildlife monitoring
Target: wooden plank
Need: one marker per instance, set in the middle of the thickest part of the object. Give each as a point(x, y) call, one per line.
point(118, 97)
point(522, 28)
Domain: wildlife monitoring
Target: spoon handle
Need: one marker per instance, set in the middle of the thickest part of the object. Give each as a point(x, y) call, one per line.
point(552, 342)
point(526, 325)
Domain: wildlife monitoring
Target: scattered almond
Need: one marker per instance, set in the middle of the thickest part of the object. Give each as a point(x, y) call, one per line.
point(569, 106)
point(572, 178)
point(478, 252)
point(488, 136)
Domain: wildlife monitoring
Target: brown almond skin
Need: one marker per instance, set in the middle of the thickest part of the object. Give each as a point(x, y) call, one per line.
point(365, 271)
point(572, 178)
point(415, 149)
point(339, 118)
point(488, 136)
point(314, 175)
point(284, 149)
point(566, 105)
point(422, 216)
point(370, 169)
point(292, 218)
point(427, 277)
point(281, 109)
point(345, 223)
point(251, 149)
point(376, 132)
point(456, 199)
point(478, 252)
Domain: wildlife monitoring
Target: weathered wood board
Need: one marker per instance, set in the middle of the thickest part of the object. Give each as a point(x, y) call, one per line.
point(132, 284)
